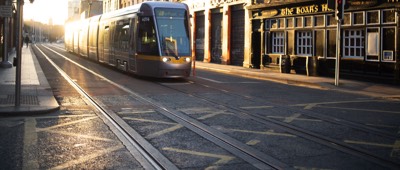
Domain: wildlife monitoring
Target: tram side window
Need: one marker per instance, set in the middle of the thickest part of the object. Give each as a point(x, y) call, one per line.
point(147, 41)
point(122, 41)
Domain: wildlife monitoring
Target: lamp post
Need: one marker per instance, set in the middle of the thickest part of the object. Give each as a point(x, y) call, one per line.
point(20, 12)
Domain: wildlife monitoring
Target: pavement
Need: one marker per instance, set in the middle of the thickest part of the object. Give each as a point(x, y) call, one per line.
point(37, 96)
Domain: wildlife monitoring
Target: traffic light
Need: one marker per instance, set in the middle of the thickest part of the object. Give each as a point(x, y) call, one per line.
point(339, 9)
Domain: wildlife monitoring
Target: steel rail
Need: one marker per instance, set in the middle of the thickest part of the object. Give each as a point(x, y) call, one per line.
point(248, 154)
point(131, 139)
point(332, 143)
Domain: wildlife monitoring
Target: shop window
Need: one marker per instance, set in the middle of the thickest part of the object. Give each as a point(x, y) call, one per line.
point(273, 23)
point(358, 18)
point(278, 42)
point(388, 16)
point(331, 43)
point(388, 44)
point(319, 38)
point(308, 21)
point(347, 19)
point(304, 44)
point(281, 23)
point(267, 25)
point(372, 44)
point(373, 17)
point(289, 22)
point(299, 22)
point(353, 44)
point(330, 19)
point(319, 21)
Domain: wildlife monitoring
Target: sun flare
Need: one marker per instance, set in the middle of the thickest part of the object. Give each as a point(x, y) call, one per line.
point(46, 10)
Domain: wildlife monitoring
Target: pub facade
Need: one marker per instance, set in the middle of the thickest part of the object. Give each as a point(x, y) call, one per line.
point(299, 35)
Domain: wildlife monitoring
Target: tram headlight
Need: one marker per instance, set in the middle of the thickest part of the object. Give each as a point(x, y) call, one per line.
point(188, 59)
point(165, 59)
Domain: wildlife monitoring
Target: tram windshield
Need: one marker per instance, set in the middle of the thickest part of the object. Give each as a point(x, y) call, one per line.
point(173, 32)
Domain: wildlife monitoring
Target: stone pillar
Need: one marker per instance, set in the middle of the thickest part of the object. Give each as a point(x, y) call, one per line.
point(226, 37)
point(207, 35)
point(247, 36)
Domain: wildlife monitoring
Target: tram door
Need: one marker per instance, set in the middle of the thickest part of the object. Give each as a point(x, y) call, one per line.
point(132, 43)
point(106, 45)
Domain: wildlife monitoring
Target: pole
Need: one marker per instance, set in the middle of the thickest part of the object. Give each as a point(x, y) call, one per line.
point(20, 3)
point(339, 16)
point(338, 51)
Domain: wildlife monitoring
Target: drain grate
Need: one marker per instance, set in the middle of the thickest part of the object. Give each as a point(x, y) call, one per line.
point(25, 100)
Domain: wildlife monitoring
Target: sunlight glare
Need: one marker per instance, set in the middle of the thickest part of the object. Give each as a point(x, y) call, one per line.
point(44, 10)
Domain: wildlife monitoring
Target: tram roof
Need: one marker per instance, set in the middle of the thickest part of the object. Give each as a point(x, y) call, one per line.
point(142, 6)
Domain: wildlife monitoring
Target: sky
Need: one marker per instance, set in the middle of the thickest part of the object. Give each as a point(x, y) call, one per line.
point(43, 10)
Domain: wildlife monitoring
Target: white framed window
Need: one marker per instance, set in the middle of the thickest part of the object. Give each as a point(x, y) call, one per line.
point(358, 18)
point(330, 20)
point(304, 43)
point(278, 42)
point(274, 23)
point(388, 39)
point(373, 44)
point(308, 21)
point(354, 44)
point(319, 21)
point(373, 17)
point(298, 22)
point(347, 18)
point(388, 16)
point(281, 23)
point(289, 22)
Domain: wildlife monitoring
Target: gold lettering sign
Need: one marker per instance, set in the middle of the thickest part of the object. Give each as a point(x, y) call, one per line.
point(305, 10)
point(269, 13)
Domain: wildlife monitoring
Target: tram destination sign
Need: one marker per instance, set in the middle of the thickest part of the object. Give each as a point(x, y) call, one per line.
point(5, 11)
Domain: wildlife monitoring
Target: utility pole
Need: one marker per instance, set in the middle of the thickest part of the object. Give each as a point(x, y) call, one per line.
point(20, 13)
point(338, 5)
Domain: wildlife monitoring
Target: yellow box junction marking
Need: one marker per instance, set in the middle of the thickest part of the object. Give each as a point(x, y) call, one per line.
point(159, 133)
point(253, 142)
point(148, 120)
point(64, 124)
point(269, 132)
point(256, 107)
point(223, 159)
point(299, 119)
point(291, 118)
point(87, 157)
point(168, 130)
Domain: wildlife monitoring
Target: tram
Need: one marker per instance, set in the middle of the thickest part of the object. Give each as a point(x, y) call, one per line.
point(148, 39)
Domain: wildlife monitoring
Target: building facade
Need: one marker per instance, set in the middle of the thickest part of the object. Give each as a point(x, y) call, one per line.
point(112, 5)
point(78, 9)
point(261, 33)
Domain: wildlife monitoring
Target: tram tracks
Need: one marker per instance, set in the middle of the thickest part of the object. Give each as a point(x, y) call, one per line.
point(251, 155)
point(137, 145)
point(307, 134)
